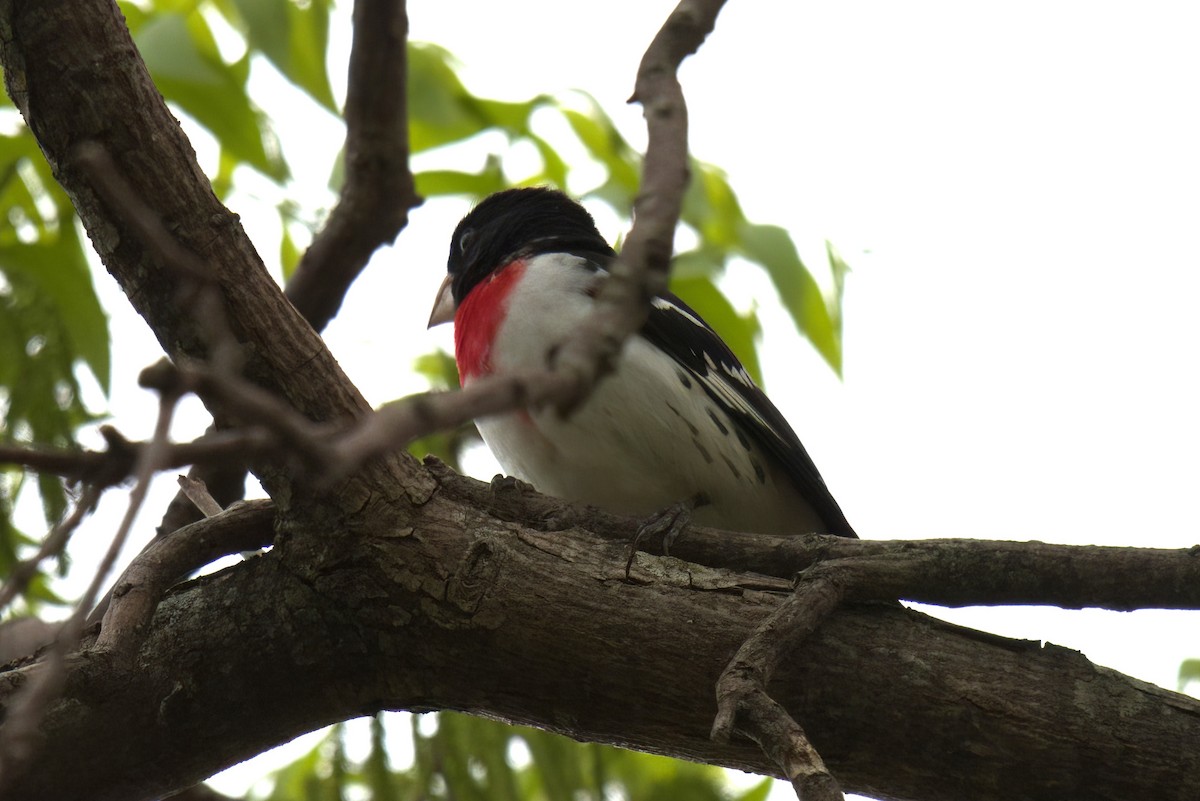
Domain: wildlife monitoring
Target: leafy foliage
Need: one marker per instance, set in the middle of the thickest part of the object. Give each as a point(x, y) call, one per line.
point(1189, 673)
point(50, 321)
point(472, 759)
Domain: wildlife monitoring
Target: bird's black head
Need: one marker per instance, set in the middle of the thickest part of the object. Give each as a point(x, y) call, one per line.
point(519, 223)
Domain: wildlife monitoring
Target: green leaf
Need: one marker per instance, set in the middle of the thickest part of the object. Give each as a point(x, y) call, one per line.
point(599, 135)
point(711, 207)
point(376, 773)
point(289, 254)
point(772, 247)
point(505, 115)
point(435, 183)
point(440, 109)
point(1189, 671)
point(758, 792)
point(56, 269)
point(187, 68)
point(43, 402)
point(439, 368)
point(554, 169)
point(441, 371)
point(294, 38)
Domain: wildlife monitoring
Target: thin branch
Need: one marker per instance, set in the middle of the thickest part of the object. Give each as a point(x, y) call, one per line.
point(244, 527)
point(245, 403)
point(378, 190)
point(148, 464)
point(104, 468)
point(399, 423)
point(642, 270)
point(117, 463)
point(744, 705)
point(198, 493)
point(18, 738)
point(54, 544)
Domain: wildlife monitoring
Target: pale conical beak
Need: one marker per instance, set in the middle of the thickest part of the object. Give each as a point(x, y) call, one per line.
point(443, 307)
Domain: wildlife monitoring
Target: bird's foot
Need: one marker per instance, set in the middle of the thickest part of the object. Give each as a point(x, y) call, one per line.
point(505, 485)
point(668, 523)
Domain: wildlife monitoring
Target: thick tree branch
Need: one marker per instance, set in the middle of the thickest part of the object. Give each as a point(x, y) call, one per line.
point(453, 608)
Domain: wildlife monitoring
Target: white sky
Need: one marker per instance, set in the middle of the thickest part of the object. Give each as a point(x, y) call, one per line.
point(1015, 188)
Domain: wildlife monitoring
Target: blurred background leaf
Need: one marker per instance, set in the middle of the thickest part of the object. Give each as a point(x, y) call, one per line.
point(458, 757)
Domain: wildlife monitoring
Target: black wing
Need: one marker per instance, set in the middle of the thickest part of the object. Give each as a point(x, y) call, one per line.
point(675, 328)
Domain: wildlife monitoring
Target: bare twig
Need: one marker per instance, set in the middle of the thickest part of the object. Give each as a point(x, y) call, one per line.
point(245, 403)
point(54, 544)
point(378, 190)
point(93, 467)
point(109, 467)
point(244, 527)
point(744, 705)
point(643, 267)
point(18, 739)
point(148, 463)
point(197, 493)
point(400, 422)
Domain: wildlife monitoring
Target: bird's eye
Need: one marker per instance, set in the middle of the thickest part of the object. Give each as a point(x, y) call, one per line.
point(465, 240)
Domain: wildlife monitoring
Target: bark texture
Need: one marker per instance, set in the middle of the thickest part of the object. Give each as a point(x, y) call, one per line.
point(401, 588)
point(446, 607)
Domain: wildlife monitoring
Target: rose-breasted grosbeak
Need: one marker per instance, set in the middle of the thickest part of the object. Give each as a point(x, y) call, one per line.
point(679, 419)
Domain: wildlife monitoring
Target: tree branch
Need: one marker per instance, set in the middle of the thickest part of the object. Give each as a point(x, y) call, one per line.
point(744, 705)
point(948, 572)
point(378, 190)
point(450, 607)
point(245, 527)
point(644, 264)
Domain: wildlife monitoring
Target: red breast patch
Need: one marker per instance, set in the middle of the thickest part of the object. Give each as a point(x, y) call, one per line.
point(478, 318)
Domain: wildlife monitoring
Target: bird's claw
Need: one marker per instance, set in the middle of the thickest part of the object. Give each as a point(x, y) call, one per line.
point(502, 484)
point(668, 523)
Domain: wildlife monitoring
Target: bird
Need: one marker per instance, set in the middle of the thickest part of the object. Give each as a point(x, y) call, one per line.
point(678, 429)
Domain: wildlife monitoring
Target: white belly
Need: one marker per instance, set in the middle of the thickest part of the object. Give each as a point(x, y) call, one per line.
point(627, 449)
